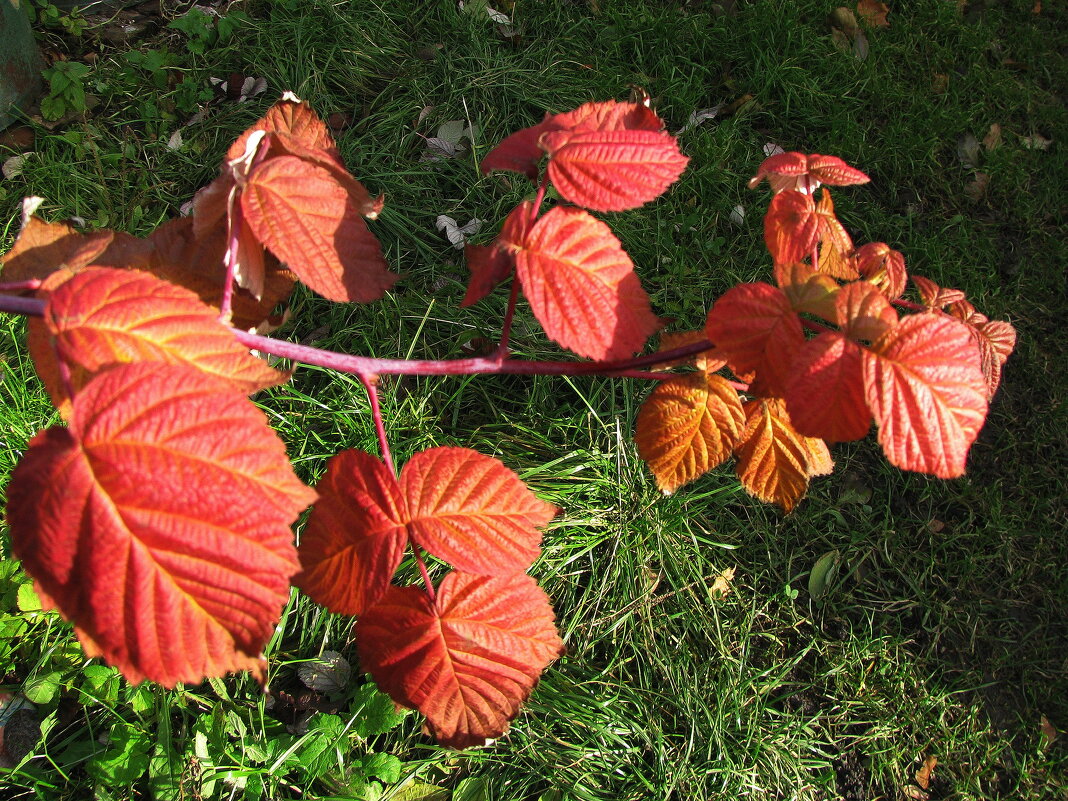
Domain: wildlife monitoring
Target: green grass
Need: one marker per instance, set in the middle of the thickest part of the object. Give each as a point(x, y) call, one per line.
point(944, 631)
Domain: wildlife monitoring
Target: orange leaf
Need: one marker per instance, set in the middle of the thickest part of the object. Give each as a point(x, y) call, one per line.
point(101, 317)
point(466, 660)
point(311, 222)
point(772, 459)
point(43, 248)
point(295, 118)
point(688, 425)
point(878, 263)
point(158, 522)
point(755, 329)
point(808, 291)
point(926, 389)
point(355, 536)
point(934, 296)
point(582, 286)
point(864, 313)
point(791, 227)
point(472, 511)
point(835, 242)
point(873, 13)
point(825, 392)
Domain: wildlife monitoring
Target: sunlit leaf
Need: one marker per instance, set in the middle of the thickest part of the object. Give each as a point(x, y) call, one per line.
point(42, 248)
point(772, 459)
point(158, 522)
point(466, 660)
point(825, 392)
point(881, 265)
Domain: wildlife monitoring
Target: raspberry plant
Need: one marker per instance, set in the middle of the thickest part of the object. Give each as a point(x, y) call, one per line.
point(158, 520)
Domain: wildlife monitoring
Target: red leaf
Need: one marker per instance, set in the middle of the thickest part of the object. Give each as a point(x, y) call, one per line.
point(311, 222)
point(295, 118)
point(466, 660)
point(927, 392)
point(864, 313)
point(102, 317)
point(582, 286)
point(493, 263)
point(786, 171)
point(355, 537)
point(772, 458)
point(688, 425)
point(934, 296)
point(519, 152)
point(158, 522)
point(808, 291)
point(825, 392)
point(609, 116)
point(472, 511)
point(878, 263)
point(791, 227)
point(754, 328)
point(612, 170)
point(835, 242)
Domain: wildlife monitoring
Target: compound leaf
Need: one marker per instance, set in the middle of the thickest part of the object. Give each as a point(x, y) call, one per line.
point(582, 286)
point(355, 536)
point(158, 523)
point(313, 224)
point(466, 660)
point(925, 387)
point(688, 425)
point(472, 511)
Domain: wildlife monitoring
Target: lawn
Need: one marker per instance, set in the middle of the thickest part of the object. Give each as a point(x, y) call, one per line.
point(711, 654)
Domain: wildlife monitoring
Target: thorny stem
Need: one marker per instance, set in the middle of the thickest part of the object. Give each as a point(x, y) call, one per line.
point(370, 383)
point(369, 366)
point(20, 286)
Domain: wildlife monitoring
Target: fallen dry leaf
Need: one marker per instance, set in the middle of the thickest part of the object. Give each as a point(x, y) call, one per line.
point(968, 150)
point(1036, 142)
point(873, 13)
point(721, 587)
point(923, 775)
point(1049, 732)
point(939, 83)
point(976, 190)
point(992, 140)
point(912, 791)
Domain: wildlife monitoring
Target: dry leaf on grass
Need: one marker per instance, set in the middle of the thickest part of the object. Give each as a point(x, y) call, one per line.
point(976, 190)
point(923, 775)
point(721, 587)
point(1049, 732)
point(873, 13)
point(992, 140)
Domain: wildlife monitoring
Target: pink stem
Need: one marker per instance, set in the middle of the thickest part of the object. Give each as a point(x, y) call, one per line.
point(426, 576)
point(21, 286)
point(370, 383)
point(31, 307)
point(231, 264)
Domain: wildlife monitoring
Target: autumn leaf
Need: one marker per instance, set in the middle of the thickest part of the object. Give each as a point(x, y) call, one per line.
point(934, 296)
point(491, 264)
point(756, 330)
point(825, 392)
point(356, 535)
point(835, 242)
point(101, 317)
point(688, 425)
point(772, 459)
point(707, 361)
point(864, 313)
point(582, 286)
point(873, 13)
point(467, 659)
point(804, 173)
point(311, 222)
point(807, 290)
point(882, 266)
point(612, 170)
point(519, 152)
point(472, 511)
point(158, 523)
point(293, 117)
point(791, 227)
point(926, 390)
point(42, 248)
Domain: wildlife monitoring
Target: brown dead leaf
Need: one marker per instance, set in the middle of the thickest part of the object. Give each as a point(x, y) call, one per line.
point(976, 190)
point(912, 791)
point(1037, 7)
point(1049, 733)
point(721, 587)
point(923, 775)
point(873, 13)
point(745, 103)
point(1036, 142)
point(939, 83)
point(992, 140)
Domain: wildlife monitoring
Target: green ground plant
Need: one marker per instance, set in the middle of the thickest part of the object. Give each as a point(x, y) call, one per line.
point(670, 688)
